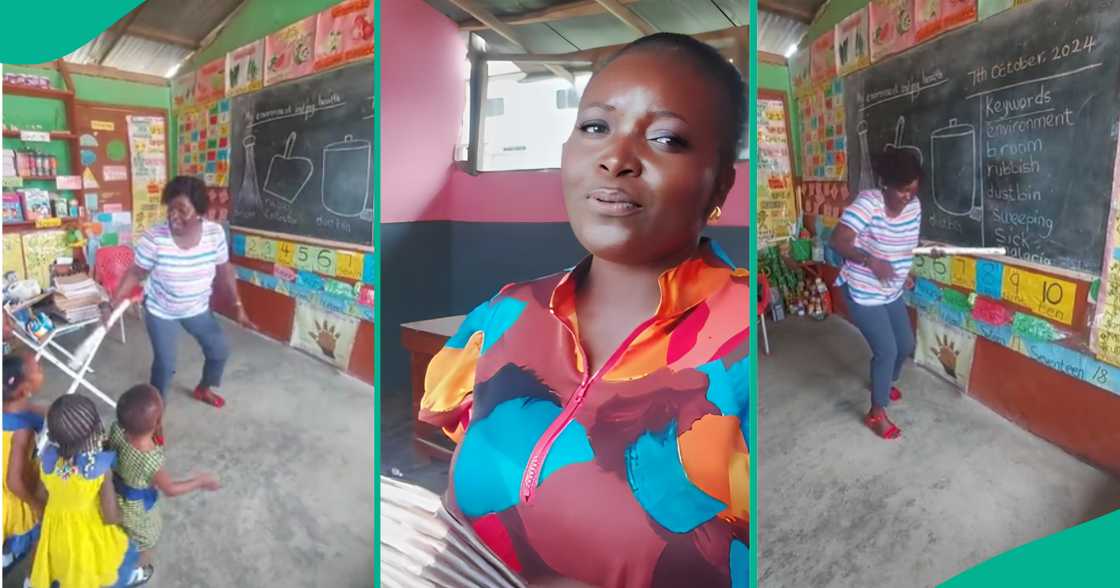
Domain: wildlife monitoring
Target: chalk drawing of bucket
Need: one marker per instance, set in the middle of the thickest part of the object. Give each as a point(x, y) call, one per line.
point(346, 172)
point(953, 169)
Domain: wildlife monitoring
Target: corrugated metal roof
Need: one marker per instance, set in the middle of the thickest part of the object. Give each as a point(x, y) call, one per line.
point(777, 33)
point(191, 19)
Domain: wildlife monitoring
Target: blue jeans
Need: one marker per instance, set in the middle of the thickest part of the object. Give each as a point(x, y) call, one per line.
point(888, 332)
point(164, 334)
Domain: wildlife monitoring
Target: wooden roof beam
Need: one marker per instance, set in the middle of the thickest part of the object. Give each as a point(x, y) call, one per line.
point(161, 36)
point(628, 16)
point(781, 9)
point(488, 18)
point(551, 14)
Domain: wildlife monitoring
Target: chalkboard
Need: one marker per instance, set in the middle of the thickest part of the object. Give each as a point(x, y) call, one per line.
point(1015, 120)
point(302, 157)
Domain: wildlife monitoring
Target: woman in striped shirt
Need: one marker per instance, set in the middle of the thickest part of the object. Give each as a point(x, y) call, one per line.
point(877, 235)
point(180, 259)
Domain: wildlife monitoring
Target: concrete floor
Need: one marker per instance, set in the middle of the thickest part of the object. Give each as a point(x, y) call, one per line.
point(841, 507)
point(293, 448)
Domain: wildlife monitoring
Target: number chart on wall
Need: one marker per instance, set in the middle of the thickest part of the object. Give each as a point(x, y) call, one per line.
point(302, 159)
point(1014, 121)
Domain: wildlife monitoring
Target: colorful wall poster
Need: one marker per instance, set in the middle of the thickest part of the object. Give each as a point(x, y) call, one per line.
point(944, 349)
point(40, 250)
point(182, 90)
point(853, 52)
point(13, 255)
point(824, 153)
point(204, 142)
point(800, 71)
point(933, 17)
point(147, 137)
point(210, 81)
point(828, 199)
point(245, 68)
point(343, 32)
point(777, 206)
point(290, 52)
point(324, 334)
point(892, 27)
point(824, 57)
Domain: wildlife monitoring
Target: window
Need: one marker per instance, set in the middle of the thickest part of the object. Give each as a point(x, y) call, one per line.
point(528, 117)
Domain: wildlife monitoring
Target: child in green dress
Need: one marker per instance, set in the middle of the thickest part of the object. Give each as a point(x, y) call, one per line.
point(138, 474)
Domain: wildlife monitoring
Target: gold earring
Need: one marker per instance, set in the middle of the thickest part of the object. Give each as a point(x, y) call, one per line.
point(715, 214)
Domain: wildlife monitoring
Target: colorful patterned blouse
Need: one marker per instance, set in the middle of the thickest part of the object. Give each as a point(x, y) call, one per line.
point(634, 476)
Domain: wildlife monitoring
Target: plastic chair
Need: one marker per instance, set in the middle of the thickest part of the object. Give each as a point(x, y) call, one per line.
point(763, 304)
point(109, 267)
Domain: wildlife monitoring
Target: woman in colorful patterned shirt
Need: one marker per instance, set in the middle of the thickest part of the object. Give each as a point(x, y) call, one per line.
point(180, 259)
point(601, 413)
point(877, 235)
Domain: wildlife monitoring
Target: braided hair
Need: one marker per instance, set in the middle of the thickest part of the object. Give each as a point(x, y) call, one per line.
point(74, 425)
point(712, 64)
point(14, 375)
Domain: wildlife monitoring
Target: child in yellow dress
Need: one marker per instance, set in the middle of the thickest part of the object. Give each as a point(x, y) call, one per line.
point(22, 421)
point(80, 544)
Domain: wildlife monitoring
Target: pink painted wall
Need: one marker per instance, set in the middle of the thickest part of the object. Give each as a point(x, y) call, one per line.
point(535, 197)
point(422, 57)
point(422, 103)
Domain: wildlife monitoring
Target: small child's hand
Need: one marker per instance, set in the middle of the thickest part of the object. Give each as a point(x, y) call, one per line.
point(209, 482)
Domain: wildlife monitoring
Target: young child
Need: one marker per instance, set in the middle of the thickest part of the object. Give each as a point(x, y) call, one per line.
point(22, 421)
point(80, 545)
point(139, 475)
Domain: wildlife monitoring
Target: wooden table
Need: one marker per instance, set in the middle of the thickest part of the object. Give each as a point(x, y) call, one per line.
point(422, 340)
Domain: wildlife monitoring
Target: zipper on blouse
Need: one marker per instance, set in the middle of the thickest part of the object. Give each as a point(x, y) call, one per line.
point(544, 444)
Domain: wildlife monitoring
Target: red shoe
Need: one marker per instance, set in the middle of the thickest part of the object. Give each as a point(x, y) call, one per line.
point(892, 432)
point(157, 436)
point(896, 394)
point(209, 397)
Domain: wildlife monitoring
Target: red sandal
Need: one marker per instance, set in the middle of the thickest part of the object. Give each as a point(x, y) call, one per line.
point(896, 394)
point(209, 397)
point(891, 433)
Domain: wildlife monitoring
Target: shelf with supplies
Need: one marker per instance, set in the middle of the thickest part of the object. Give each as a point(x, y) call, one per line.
point(55, 135)
point(18, 90)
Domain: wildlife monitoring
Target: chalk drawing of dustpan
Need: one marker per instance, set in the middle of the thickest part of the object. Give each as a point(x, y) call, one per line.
point(346, 173)
point(288, 175)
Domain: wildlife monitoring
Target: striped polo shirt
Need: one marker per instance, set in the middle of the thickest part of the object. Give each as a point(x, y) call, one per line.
point(180, 280)
point(890, 239)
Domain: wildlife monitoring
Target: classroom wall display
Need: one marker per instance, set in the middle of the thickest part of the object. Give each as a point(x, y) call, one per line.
point(344, 32)
point(777, 206)
point(827, 199)
point(934, 17)
point(40, 250)
point(891, 24)
point(204, 142)
point(218, 209)
point(800, 71)
point(824, 57)
point(103, 135)
point(147, 137)
point(853, 51)
point(210, 81)
point(182, 90)
point(824, 133)
point(1015, 130)
point(13, 255)
point(945, 350)
point(324, 334)
point(245, 68)
point(989, 8)
point(303, 161)
point(1045, 295)
point(360, 308)
point(290, 52)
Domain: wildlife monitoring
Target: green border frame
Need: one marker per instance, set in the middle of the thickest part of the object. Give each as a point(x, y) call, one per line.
point(752, 443)
point(377, 294)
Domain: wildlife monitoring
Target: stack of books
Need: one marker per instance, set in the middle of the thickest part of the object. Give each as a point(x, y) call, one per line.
point(77, 297)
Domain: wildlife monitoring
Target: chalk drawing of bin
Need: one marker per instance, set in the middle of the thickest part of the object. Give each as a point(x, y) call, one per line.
point(953, 169)
point(346, 174)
